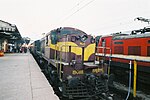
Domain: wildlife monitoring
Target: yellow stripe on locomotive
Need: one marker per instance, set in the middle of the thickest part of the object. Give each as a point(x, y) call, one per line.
point(89, 50)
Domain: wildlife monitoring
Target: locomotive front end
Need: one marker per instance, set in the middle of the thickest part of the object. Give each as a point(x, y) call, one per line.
point(80, 75)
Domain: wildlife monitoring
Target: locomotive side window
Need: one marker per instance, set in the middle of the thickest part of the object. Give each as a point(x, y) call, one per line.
point(42, 46)
point(148, 41)
point(46, 40)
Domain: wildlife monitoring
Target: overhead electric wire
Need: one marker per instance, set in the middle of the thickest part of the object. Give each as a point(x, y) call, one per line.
point(77, 10)
point(76, 5)
point(69, 11)
point(81, 2)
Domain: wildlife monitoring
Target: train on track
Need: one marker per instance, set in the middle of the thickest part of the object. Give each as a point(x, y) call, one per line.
point(121, 48)
point(67, 56)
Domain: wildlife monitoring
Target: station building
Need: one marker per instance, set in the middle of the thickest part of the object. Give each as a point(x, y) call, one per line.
point(10, 37)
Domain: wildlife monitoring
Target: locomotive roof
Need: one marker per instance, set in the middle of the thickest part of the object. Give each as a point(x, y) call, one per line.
point(129, 36)
point(68, 30)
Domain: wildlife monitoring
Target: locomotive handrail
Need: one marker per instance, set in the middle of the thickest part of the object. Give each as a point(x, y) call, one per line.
point(103, 47)
point(104, 55)
point(107, 48)
point(130, 57)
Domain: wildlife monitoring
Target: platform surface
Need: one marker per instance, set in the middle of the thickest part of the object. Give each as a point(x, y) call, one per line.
point(22, 79)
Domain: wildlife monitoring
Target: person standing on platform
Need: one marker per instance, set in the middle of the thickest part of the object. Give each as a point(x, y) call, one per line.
point(25, 49)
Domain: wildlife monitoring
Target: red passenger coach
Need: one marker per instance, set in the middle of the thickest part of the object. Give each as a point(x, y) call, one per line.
point(123, 48)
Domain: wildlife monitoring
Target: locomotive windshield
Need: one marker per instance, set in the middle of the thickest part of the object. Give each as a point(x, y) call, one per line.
point(83, 38)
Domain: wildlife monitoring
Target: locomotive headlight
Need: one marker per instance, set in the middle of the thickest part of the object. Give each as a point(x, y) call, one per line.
point(104, 76)
point(73, 81)
point(91, 79)
point(69, 77)
point(73, 62)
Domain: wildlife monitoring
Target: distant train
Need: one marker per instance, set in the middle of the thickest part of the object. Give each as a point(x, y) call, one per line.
point(124, 48)
point(68, 58)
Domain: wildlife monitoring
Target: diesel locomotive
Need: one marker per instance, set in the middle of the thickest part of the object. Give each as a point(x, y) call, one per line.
point(67, 56)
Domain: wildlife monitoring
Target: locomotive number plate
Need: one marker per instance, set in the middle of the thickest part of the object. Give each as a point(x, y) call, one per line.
point(97, 70)
point(77, 72)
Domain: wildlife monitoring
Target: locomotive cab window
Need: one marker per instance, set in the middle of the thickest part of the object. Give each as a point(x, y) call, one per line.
point(53, 38)
point(149, 41)
point(103, 42)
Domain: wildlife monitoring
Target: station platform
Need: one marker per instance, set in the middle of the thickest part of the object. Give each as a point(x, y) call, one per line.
point(22, 79)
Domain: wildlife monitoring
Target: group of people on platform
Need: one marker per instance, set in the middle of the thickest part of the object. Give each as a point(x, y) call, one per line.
point(21, 49)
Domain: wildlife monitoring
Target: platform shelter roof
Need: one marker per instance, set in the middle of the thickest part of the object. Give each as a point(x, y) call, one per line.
point(9, 31)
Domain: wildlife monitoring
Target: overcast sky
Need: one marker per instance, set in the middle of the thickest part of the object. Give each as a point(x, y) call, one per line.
point(97, 17)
